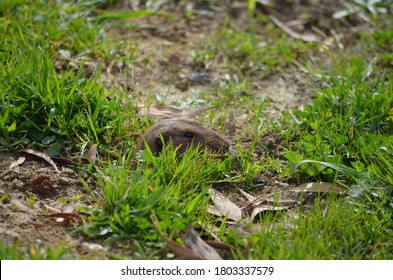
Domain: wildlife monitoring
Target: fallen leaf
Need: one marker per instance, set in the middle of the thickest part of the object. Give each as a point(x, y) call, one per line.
point(21, 207)
point(214, 232)
point(41, 184)
point(92, 154)
point(225, 206)
point(134, 4)
point(252, 199)
point(322, 187)
point(66, 160)
point(73, 218)
point(38, 180)
point(43, 156)
point(198, 246)
point(45, 224)
point(52, 209)
point(219, 245)
point(67, 209)
point(19, 161)
point(168, 112)
point(307, 37)
point(67, 219)
point(177, 249)
point(211, 209)
point(264, 209)
point(49, 185)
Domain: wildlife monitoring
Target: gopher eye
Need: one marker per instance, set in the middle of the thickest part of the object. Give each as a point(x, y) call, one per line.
point(159, 143)
point(188, 135)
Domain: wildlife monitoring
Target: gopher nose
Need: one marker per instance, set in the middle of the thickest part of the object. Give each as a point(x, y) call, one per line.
point(228, 149)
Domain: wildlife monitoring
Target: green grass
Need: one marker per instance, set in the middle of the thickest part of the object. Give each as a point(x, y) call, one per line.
point(174, 190)
point(18, 251)
point(39, 103)
point(344, 136)
point(339, 229)
point(348, 122)
point(253, 53)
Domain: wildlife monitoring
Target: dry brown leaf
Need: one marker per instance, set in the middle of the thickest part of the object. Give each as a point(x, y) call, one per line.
point(41, 184)
point(19, 161)
point(322, 187)
point(67, 209)
point(71, 217)
point(264, 209)
point(92, 154)
point(252, 199)
point(66, 219)
point(50, 224)
point(21, 207)
point(52, 209)
point(219, 245)
point(225, 206)
point(198, 246)
point(168, 112)
point(43, 156)
point(66, 160)
point(177, 249)
point(134, 4)
point(211, 209)
point(307, 37)
point(49, 185)
point(38, 180)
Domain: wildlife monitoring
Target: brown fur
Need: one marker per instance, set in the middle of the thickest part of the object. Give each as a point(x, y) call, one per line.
point(182, 133)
